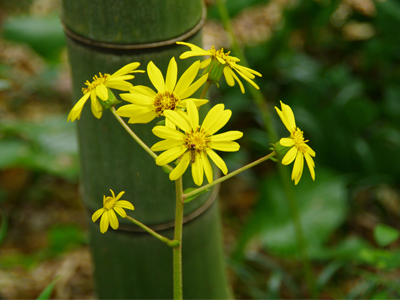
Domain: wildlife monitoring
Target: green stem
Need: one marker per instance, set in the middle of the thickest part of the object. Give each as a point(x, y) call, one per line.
point(205, 89)
point(135, 137)
point(171, 243)
point(177, 252)
point(266, 116)
point(226, 177)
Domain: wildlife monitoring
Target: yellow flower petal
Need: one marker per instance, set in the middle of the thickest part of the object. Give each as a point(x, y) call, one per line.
point(228, 76)
point(207, 167)
point(141, 89)
point(289, 116)
point(181, 167)
point(97, 214)
point(168, 133)
point(170, 155)
point(220, 122)
point(193, 114)
point(226, 146)
point(310, 164)
point(205, 63)
point(227, 136)
point(290, 156)
point(175, 118)
point(143, 119)
point(119, 85)
point(166, 144)
point(138, 99)
point(126, 69)
point(124, 204)
point(283, 119)
point(156, 77)
point(197, 170)
point(310, 151)
point(172, 74)
point(104, 222)
point(248, 79)
point(194, 87)
point(187, 78)
point(197, 102)
point(113, 219)
point(120, 195)
point(133, 110)
point(239, 82)
point(287, 142)
point(298, 167)
point(218, 161)
point(102, 92)
point(212, 116)
point(120, 211)
point(77, 109)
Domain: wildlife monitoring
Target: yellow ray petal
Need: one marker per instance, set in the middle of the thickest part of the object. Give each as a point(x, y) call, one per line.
point(218, 161)
point(113, 219)
point(310, 164)
point(102, 92)
point(287, 142)
point(119, 85)
point(172, 74)
point(290, 156)
point(194, 87)
point(119, 195)
point(289, 116)
point(239, 82)
point(138, 99)
point(220, 122)
point(156, 77)
point(207, 167)
point(197, 102)
point(124, 204)
point(205, 63)
point(283, 119)
point(120, 211)
point(145, 90)
point(175, 118)
point(228, 76)
point(298, 167)
point(227, 136)
point(166, 144)
point(181, 167)
point(97, 214)
point(212, 116)
point(197, 170)
point(226, 146)
point(133, 110)
point(77, 109)
point(104, 222)
point(187, 78)
point(126, 69)
point(170, 155)
point(193, 114)
point(168, 133)
point(143, 119)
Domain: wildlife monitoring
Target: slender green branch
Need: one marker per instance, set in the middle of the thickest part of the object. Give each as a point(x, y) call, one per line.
point(226, 177)
point(171, 243)
point(266, 116)
point(136, 138)
point(177, 252)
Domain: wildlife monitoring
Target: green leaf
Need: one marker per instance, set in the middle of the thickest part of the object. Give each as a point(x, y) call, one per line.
point(385, 235)
point(188, 190)
point(46, 293)
point(322, 207)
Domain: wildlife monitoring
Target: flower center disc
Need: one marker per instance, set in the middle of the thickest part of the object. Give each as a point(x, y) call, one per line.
point(299, 141)
point(96, 81)
point(166, 100)
point(109, 203)
point(197, 141)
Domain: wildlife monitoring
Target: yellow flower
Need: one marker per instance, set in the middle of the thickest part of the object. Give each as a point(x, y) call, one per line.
point(299, 149)
point(196, 143)
point(171, 95)
point(218, 58)
point(107, 213)
point(98, 88)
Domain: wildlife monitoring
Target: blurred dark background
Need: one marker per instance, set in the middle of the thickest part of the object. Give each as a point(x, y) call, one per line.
point(336, 63)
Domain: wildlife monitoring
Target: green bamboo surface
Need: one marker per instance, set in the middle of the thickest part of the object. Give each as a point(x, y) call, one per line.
point(127, 264)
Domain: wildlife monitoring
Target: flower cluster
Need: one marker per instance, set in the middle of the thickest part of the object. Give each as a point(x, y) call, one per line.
point(186, 140)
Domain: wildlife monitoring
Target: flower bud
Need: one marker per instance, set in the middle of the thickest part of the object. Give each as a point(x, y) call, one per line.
point(280, 150)
point(110, 102)
point(215, 70)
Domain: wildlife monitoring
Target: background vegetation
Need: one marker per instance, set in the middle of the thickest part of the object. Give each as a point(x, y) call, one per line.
point(336, 63)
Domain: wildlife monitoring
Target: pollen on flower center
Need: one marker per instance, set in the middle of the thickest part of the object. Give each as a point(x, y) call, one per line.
point(299, 141)
point(96, 81)
point(166, 100)
point(109, 203)
point(197, 141)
